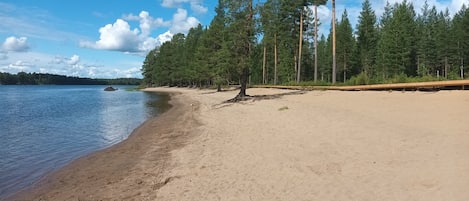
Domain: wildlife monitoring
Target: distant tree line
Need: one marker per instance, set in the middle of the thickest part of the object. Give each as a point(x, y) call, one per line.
point(23, 78)
point(277, 44)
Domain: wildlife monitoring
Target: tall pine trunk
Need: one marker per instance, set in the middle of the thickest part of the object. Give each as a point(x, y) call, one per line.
point(264, 60)
point(334, 64)
point(300, 44)
point(315, 43)
point(275, 59)
point(345, 66)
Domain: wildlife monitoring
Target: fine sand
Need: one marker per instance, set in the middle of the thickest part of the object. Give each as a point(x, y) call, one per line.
point(283, 145)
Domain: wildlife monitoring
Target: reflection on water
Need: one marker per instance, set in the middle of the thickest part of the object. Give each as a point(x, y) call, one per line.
point(44, 127)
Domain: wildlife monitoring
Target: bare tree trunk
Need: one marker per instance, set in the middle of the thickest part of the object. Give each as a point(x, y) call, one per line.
point(263, 65)
point(295, 57)
point(315, 43)
point(462, 68)
point(446, 67)
point(345, 67)
point(418, 65)
point(333, 44)
point(298, 75)
point(275, 58)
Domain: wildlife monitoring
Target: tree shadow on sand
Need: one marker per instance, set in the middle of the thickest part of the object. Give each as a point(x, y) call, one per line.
point(244, 100)
point(262, 97)
point(221, 91)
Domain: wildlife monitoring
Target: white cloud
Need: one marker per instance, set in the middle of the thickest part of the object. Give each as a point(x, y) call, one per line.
point(173, 3)
point(181, 22)
point(71, 66)
point(121, 37)
point(198, 8)
point(165, 37)
point(19, 66)
point(147, 22)
point(196, 5)
point(74, 60)
point(456, 5)
point(116, 37)
point(13, 44)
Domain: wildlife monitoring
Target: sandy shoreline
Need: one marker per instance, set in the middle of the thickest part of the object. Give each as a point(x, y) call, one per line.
point(283, 145)
point(120, 171)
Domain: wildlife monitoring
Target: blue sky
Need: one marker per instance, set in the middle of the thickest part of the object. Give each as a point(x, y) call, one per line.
point(109, 39)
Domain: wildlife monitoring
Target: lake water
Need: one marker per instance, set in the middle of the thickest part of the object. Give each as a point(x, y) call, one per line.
point(42, 128)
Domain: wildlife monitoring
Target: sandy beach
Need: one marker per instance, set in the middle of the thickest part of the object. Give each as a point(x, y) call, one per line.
point(282, 145)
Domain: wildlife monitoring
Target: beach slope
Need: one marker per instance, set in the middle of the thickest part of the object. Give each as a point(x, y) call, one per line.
point(326, 145)
point(284, 145)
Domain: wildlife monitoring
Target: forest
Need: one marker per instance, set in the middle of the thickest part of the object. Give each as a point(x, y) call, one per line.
point(276, 42)
point(23, 78)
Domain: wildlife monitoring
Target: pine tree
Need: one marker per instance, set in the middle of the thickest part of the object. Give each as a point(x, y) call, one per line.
point(427, 60)
point(367, 37)
point(461, 34)
point(147, 67)
point(383, 59)
point(240, 15)
point(443, 42)
point(345, 45)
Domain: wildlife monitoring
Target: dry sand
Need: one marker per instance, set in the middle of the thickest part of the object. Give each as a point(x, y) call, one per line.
point(284, 145)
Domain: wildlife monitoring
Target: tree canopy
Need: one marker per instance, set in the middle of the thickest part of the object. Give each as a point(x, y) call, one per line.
point(272, 43)
point(23, 78)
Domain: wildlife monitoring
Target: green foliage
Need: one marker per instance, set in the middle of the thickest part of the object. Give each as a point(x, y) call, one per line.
point(345, 47)
point(367, 37)
point(399, 47)
point(360, 79)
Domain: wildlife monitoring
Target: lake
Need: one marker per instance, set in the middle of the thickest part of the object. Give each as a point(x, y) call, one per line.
point(42, 128)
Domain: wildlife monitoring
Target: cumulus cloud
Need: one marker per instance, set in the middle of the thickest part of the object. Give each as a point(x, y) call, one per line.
point(165, 37)
point(119, 36)
point(147, 22)
point(14, 44)
point(181, 22)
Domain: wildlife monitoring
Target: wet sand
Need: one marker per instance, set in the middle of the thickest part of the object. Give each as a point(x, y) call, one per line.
point(283, 145)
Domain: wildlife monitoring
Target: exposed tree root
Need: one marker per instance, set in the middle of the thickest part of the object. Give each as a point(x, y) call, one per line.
point(239, 98)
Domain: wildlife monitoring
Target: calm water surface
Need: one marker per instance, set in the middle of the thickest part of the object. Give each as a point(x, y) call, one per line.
point(42, 128)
